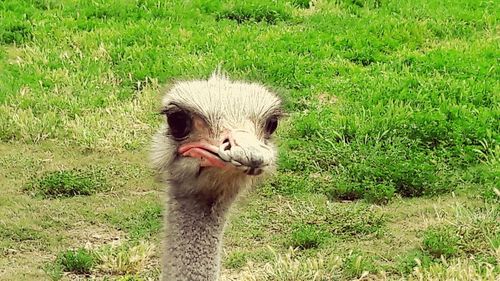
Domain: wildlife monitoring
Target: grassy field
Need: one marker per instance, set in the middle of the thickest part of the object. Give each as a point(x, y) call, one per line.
point(389, 160)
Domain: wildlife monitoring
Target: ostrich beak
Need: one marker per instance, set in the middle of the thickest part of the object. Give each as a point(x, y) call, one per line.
point(241, 149)
point(207, 153)
point(245, 151)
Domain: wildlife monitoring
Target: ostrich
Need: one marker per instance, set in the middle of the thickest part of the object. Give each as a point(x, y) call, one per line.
point(216, 142)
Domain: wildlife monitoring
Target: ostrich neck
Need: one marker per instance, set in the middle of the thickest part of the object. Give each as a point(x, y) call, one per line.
point(195, 225)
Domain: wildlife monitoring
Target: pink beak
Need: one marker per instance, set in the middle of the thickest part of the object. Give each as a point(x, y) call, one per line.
point(207, 153)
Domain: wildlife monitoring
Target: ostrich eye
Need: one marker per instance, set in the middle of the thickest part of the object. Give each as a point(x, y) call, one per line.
point(271, 124)
point(180, 124)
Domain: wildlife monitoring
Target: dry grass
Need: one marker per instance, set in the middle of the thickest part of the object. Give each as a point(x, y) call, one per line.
point(460, 269)
point(291, 266)
point(122, 259)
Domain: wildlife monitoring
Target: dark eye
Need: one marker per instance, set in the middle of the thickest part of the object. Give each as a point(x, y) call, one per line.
point(180, 123)
point(271, 125)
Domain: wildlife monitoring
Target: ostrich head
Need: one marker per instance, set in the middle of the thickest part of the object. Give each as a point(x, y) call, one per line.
point(217, 137)
point(216, 140)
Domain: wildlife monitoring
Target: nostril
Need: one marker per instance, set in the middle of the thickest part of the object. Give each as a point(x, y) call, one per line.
point(227, 144)
point(256, 163)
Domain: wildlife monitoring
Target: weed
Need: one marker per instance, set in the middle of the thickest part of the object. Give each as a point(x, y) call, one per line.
point(249, 12)
point(304, 4)
point(357, 265)
point(441, 242)
point(235, 260)
point(379, 193)
point(15, 33)
point(346, 190)
point(67, 183)
point(487, 180)
point(407, 262)
point(80, 261)
point(377, 175)
point(356, 221)
point(16, 28)
point(306, 237)
point(491, 194)
point(123, 259)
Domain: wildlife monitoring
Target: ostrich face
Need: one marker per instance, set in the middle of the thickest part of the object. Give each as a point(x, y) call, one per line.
point(217, 132)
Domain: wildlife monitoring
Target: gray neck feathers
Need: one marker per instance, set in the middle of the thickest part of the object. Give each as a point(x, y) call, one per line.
point(195, 224)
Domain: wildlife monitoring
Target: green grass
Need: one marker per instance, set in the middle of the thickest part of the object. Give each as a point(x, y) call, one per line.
point(441, 242)
point(79, 261)
point(141, 220)
point(413, 259)
point(67, 183)
point(356, 265)
point(235, 260)
point(307, 237)
point(389, 159)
